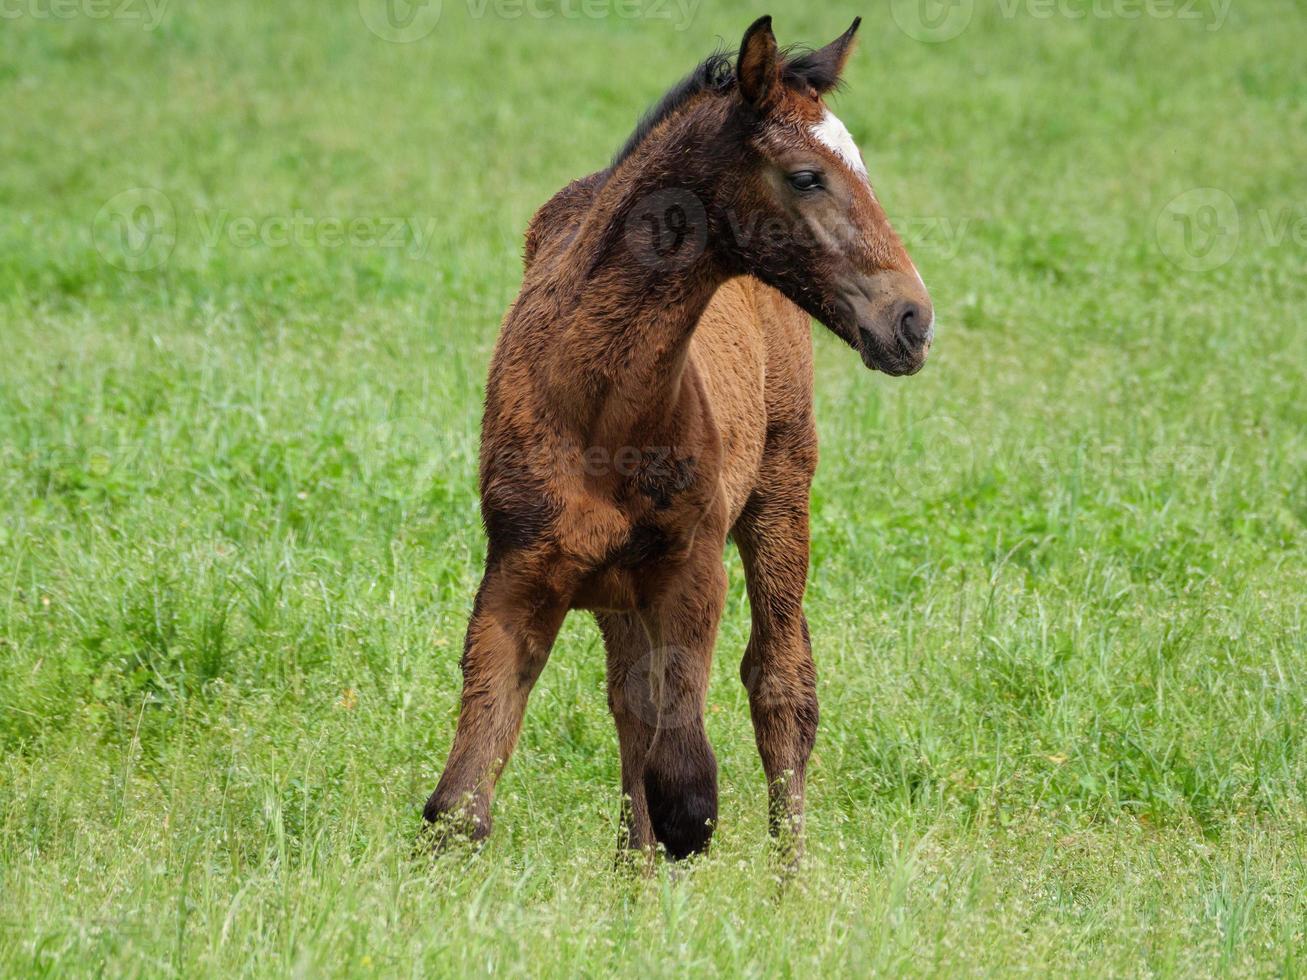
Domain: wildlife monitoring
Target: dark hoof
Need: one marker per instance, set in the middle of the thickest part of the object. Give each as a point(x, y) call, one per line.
point(447, 826)
point(682, 809)
point(634, 862)
point(787, 856)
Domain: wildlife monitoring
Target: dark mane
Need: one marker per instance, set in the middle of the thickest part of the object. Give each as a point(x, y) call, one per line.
point(801, 67)
point(714, 74)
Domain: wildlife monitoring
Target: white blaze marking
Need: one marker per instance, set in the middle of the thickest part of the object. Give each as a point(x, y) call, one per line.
point(834, 135)
point(930, 328)
point(921, 281)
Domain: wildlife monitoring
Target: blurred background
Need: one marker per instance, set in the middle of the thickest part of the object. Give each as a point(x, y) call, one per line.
point(253, 258)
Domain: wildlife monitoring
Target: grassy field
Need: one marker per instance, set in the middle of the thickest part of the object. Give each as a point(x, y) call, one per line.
point(252, 262)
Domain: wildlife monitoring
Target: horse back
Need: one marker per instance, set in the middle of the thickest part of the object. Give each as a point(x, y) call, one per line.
point(555, 224)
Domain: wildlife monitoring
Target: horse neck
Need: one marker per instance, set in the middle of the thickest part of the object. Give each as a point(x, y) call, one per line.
point(634, 314)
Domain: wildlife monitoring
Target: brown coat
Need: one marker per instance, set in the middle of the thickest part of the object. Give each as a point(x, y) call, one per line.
point(651, 394)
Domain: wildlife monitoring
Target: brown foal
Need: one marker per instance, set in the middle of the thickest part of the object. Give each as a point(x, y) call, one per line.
point(650, 395)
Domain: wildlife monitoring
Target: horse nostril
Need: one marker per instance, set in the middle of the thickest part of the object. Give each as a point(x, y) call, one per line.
point(913, 324)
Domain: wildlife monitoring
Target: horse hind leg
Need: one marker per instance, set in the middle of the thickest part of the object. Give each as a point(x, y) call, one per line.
point(627, 647)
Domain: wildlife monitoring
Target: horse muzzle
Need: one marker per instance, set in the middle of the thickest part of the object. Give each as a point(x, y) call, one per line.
point(895, 321)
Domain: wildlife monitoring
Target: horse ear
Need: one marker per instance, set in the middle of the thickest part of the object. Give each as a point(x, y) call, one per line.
point(756, 67)
point(822, 68)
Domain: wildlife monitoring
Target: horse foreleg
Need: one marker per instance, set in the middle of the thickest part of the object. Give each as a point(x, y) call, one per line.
point(777, 669)
point(667, 691)
point(508, 641)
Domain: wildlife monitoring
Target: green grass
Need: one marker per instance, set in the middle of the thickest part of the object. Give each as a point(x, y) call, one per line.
point(1057, 586)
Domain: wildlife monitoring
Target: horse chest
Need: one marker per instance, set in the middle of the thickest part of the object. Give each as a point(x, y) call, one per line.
point(637, 531)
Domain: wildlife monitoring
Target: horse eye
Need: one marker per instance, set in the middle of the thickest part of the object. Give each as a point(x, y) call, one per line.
point(805, 180)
